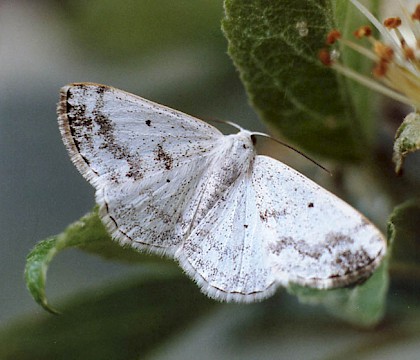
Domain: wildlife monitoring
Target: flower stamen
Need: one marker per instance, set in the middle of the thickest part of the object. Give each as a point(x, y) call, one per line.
point(416, 14)
point(392, 22)
point(396, 71)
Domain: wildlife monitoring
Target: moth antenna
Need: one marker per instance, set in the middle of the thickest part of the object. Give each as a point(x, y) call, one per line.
point(294, 149)
point(236, 126)
point(276, 140)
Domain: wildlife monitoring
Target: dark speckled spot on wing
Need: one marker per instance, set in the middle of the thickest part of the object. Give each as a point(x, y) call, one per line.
point(164, 157)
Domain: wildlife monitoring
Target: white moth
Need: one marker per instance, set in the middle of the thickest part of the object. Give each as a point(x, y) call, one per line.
point(238, 223)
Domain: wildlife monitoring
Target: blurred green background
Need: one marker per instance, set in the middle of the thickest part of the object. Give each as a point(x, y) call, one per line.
point(174, 53)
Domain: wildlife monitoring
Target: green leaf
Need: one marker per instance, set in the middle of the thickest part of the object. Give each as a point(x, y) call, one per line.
point(36, 270)
point(404, 232)
point(407, 140)
point(291, 90)
point(362, 305)
point(124, 321)
point(87, 234)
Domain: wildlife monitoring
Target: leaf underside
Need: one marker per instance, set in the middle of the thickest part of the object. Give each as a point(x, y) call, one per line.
point(87, 234)
point(407, 140)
